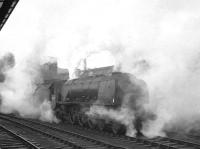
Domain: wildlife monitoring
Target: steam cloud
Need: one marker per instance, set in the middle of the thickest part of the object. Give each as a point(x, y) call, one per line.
point(156, 40)
point(18, 87)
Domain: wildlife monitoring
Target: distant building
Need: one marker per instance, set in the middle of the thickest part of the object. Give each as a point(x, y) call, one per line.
point(7, 62)
point(62, 74)
point(50, 71)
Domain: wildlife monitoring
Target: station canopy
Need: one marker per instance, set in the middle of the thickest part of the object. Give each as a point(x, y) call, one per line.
point(6, 8)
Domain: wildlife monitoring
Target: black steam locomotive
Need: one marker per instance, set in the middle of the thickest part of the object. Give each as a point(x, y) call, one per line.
point(72, 99)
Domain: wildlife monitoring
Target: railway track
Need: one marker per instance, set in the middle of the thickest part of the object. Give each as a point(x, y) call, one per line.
point(12, 140)
point(157, 143)
point(71, 140)
point(166, 143)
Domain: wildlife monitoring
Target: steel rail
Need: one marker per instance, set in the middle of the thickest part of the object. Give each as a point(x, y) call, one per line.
point(20, 138)
point(165, 142)
point(72, 144)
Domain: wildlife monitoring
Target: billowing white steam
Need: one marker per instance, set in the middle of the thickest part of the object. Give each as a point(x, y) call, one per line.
point(18, 92)
point(157, 40)
point(123, 116)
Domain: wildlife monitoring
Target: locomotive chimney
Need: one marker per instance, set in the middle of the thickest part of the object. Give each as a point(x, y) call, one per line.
point(85, 64)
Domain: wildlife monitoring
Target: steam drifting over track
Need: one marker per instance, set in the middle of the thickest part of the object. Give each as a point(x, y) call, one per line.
point(76, 139)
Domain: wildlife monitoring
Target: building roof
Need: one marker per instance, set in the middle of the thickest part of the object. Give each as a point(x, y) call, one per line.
point(6, 8)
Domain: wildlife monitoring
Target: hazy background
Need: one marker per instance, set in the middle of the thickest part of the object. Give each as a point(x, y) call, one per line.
point(156, 40)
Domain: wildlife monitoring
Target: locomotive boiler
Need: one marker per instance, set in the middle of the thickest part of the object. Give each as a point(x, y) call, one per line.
point(72, 99)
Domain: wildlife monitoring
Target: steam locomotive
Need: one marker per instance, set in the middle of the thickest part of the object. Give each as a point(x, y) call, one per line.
point(72, 99)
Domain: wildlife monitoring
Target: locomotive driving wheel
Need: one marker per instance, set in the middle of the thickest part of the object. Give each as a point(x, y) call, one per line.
point(116, 127)
point(72, 117)
point(82, 119)
point(100, 125)
point(90, 123)
point(59, 114)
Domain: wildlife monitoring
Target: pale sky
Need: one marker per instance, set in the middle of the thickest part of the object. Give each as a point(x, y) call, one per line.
point(55, 29)
point(72, 29)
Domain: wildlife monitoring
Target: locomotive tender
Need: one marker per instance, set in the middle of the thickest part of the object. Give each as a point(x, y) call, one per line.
point(72, 99)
